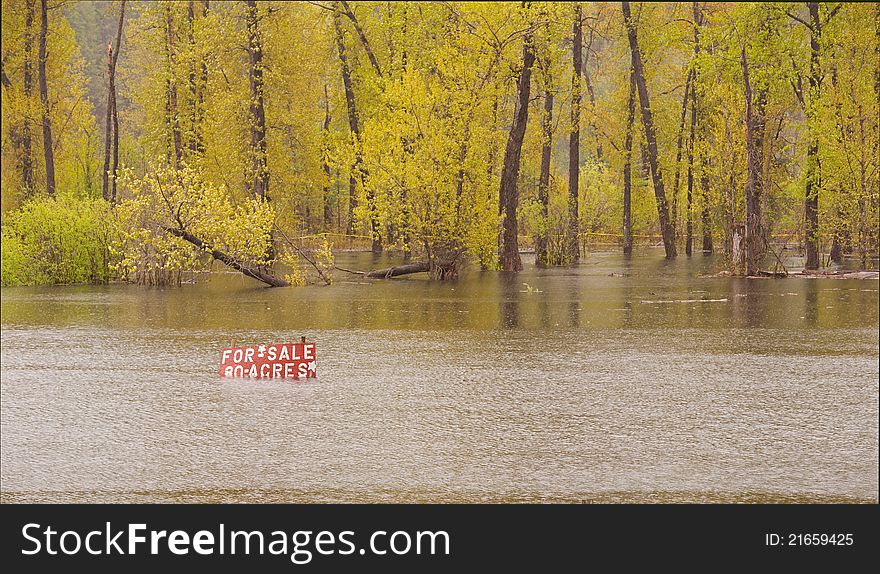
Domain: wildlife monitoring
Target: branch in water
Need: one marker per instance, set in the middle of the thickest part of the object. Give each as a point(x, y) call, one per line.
point(248, 270)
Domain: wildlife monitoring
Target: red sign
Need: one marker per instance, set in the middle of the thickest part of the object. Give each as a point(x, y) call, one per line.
point(282, 361)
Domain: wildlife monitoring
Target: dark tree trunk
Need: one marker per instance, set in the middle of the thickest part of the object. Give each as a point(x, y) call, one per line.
point(111, 132)
point(627, 167)
point(108, 128)
point(357, 169)
point(252, 271)
point(650, 135)
point(509, 194)
point(48, 150)
point(706, 219)
point(115, 152)
point(544, 179)
point(363, 37)
point(328, 205)
point(199, 114)
point(259, 166)
point(418, 267)
point(4, 79)
point(192, 96)
point(678, 146)
point(755, 126)
point(689, 213)
point(592, 93)
point(574, 141)
point(27, 157)
point(173, 120)
point(811, 199)
point(689, 232)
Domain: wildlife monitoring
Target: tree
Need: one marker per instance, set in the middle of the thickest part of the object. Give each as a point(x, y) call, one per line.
point(48, 149)
point(111, 132)
point(325, 165)
point(627, 166)
point(509, 193)
point(544, 178)
point(706, 216)
point(574, 149)
point(259, 165)
point(689, 214)
point(357, 168)
point(811, 195)
point(172, 114)
point(27, 159)
point(197, 83)
point(678, 148)
point(650, 135)
point(756, 104)
point(351, 106)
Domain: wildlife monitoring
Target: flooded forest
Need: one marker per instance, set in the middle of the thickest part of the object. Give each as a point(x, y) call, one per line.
point(147, 141)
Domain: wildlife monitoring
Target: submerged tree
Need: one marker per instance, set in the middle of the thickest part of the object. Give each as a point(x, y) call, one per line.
point(509, 193)
point(413, 128)
point(650, 133)
point(48, 149)
point(574, 145)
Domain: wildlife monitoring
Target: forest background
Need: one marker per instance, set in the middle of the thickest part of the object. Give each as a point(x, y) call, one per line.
point(145, 140)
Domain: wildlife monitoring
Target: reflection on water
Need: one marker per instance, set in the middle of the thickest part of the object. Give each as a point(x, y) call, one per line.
point(639, 380)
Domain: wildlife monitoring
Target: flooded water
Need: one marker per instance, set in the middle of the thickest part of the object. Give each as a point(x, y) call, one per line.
point(638, 380)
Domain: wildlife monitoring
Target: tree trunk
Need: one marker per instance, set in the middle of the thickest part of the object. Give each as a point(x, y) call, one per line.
point(259, 166)
point(199, 114)
point(650, 135)
point(357, 168)
point(171, 85)
point(108, 128)
point(755, 125)
point(325, 166)
point(4, 79)
point(592, 93)
point(111, 132)
point(544, 179)
point(48, 150)
point(706, 219)
point(418, 267)
point(192, 96)
point(627, 167)
point(508, 193)
point(678, 146)
point(574, 141)
point(27, 157)
point(248, 270)
point(363, 37)
point(811, 199)
point(115, 152)
point(689, 213)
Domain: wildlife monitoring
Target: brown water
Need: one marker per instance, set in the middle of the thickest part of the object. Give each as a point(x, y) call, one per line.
point(658, 385)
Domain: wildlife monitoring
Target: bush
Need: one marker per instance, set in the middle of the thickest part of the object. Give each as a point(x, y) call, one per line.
point(168, 198)
point(57, 240)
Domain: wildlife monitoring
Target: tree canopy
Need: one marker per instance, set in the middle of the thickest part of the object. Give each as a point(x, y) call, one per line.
point(451, 132)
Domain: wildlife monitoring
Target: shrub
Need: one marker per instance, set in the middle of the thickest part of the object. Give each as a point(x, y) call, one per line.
point(57, 240)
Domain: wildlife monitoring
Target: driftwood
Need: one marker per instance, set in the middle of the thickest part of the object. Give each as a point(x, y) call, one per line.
point(249, 270)
point(418, 267)
point(352, 271)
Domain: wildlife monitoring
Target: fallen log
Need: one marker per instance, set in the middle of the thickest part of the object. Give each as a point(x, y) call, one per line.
point(409, 268)
point(226, 259)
